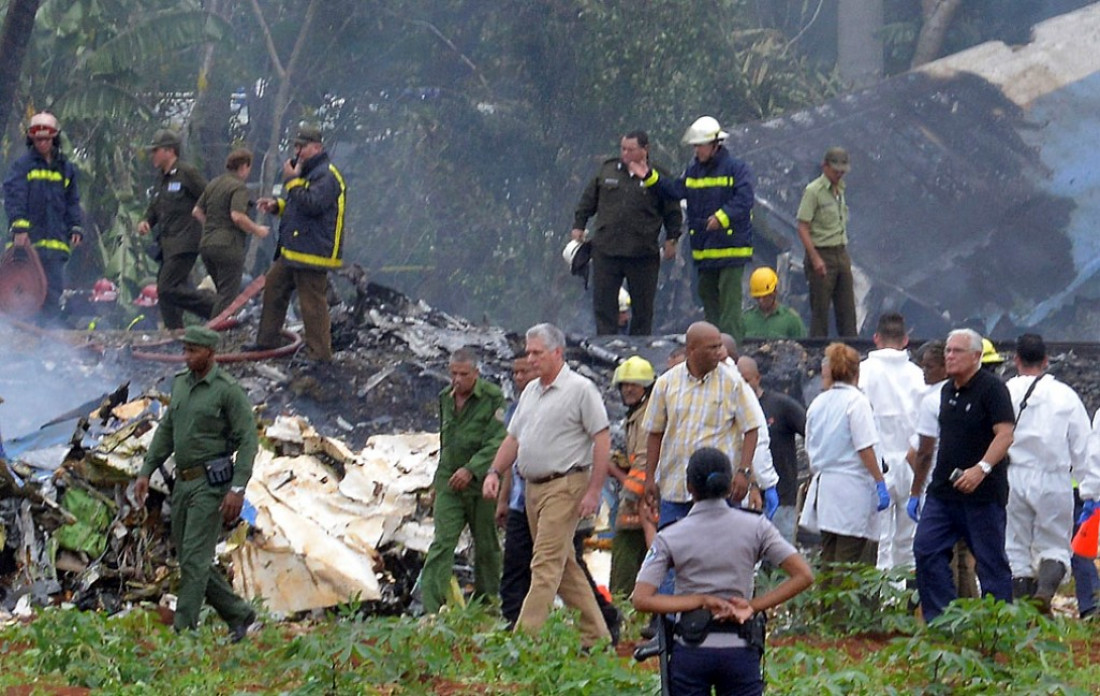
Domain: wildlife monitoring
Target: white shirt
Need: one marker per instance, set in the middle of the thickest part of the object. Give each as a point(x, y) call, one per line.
point(762, 465)
point(1052, 432)
point(839, 424)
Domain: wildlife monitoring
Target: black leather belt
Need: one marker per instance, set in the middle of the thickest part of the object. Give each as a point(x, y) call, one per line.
point(558, 475)
point(191, 473)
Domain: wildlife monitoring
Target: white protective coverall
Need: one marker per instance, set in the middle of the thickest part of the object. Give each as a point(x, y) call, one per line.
point(1049, 448)
point(894, 385)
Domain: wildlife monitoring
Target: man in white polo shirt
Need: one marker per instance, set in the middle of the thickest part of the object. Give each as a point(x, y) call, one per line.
point(560, 434)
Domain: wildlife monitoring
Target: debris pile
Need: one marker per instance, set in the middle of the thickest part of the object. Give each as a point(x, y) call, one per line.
point(339, 506)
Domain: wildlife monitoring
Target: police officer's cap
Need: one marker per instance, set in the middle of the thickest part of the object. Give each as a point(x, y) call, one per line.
point(201, 336)
point(837, 158)
point(165, 138)
point(307, 134)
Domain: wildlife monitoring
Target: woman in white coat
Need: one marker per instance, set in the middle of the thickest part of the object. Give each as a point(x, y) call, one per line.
point(847, 490)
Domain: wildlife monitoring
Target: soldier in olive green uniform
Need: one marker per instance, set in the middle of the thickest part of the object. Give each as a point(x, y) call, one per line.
point(471, 415)
point(223, 211)
point(209, 417)
point(177, 232)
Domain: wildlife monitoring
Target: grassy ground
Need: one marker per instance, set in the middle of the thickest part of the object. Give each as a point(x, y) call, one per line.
point(847, 647)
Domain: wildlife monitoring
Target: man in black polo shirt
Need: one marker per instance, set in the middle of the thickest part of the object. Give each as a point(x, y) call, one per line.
point(969, 489)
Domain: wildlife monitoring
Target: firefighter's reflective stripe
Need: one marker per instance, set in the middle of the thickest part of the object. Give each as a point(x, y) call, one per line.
point(48, 244)
point(46, 175)
point(56, 244)
point(726, 253)
point(708, 182)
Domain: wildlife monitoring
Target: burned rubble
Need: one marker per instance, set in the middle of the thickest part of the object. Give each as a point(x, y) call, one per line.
point(340, 501)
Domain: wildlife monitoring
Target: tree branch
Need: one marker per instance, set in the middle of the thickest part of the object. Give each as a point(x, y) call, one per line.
point(268, 40)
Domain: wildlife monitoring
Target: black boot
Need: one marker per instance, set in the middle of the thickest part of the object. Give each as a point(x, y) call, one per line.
point(1051, 573)
point(1023, 588)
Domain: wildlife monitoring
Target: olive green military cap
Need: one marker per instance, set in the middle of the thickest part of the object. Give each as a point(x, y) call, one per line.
point(201, 336)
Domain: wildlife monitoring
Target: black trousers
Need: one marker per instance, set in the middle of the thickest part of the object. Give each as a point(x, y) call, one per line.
point(516, 574)
point(176, 294)
point(608, 273)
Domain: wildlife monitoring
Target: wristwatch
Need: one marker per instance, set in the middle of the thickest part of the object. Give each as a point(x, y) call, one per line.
point(236, 489)
point(746, 472)
point(985, 466)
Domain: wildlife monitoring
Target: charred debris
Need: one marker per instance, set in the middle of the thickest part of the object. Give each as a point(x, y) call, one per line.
point(339, 505)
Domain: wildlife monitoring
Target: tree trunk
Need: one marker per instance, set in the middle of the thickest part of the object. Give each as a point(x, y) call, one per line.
point(272, 161)
point(210, 118)
point(859, 41)
point(14, 38)
point(937, 16)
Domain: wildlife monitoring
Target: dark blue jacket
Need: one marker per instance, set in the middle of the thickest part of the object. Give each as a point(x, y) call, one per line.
point(41, 198)
point(721, 186)
point(311, 233)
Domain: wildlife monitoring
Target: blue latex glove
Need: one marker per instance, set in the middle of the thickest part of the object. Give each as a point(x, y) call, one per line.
point(913, 508)
point(771, 502)
point(883, 495)
point(1087, 508)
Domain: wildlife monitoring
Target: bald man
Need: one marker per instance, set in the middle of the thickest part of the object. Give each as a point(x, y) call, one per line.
point(785, 418)
point(697, 404)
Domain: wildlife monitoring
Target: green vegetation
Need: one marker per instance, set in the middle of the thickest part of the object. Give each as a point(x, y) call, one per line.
point(857, 638)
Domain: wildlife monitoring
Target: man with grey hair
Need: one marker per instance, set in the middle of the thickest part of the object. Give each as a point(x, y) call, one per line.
point(968, 492)
point(560, 435)
point(471, 428)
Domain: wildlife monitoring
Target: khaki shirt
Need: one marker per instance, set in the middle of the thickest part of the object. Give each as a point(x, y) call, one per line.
point(554, 425)
point(826, 213)
point(207, 418)
point(222, 197)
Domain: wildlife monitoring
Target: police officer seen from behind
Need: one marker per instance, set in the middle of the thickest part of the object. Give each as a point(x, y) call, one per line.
point(43, 205)
point(626, 237)
point(177, 233)
point(208, 420)
point(311, 243)
point(223, 211)
point(725, 655)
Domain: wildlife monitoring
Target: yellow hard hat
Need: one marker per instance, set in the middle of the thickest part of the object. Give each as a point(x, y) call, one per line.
point(990, 356)
point(763, 282)
point(634, 370)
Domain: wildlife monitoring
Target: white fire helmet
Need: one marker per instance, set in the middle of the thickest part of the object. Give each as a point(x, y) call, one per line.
point(705, 130)
point(43, 123)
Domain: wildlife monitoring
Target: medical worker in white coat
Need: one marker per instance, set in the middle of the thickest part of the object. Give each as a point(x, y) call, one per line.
point(847, 490)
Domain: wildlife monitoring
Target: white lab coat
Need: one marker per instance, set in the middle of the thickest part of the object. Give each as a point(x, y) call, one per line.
point(842, 498)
